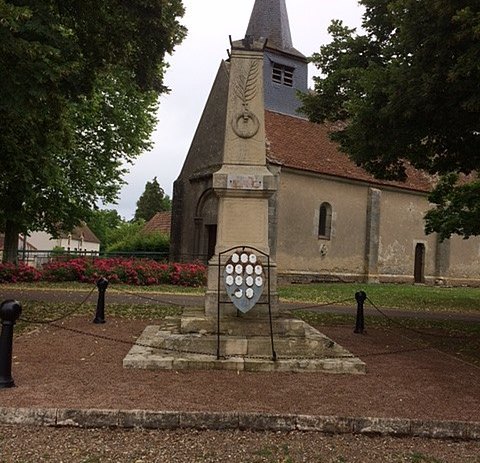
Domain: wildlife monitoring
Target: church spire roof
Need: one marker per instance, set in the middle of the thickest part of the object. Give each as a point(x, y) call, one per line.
point(269, 20)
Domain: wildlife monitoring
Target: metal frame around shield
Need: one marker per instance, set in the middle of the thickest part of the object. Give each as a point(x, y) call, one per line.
point(220, 287)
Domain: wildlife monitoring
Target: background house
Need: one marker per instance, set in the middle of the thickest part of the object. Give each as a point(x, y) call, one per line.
point(35, 248)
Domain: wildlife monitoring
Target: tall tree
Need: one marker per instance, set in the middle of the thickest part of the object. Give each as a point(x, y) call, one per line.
point(409, 90)
point(152, 200)
point(104, 222)
point(80, 82)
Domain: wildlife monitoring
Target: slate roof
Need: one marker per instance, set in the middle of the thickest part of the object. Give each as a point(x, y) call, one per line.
point(160, 222)
point(269, 19)
point(299, 144)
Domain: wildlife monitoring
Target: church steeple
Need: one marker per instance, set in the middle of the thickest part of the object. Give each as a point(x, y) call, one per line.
point(269, 20)
point(285, 68)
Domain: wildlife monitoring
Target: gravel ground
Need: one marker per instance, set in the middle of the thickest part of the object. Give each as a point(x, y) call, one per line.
point(36, 445)
point(58, 368)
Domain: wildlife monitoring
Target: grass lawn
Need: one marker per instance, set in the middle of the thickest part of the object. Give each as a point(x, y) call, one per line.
point(385, 296)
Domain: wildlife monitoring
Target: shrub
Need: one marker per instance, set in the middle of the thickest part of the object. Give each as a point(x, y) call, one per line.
point(142, 242)
point(141, 272)
point(11, 273)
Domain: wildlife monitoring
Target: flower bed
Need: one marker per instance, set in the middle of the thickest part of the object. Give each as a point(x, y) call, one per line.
point(140, 272)
point(10, 273)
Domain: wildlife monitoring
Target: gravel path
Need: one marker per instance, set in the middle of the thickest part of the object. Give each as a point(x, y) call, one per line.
point(36, 445)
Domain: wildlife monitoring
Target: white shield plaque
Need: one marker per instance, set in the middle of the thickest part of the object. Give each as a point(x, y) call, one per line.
point(244, 279)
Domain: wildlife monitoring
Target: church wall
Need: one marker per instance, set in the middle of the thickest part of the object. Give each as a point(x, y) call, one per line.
point(204, 157)
point(401, 230)
point(464, 260)
point(300, 251)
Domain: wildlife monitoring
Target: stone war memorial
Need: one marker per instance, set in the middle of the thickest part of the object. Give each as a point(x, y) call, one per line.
point(241, 327)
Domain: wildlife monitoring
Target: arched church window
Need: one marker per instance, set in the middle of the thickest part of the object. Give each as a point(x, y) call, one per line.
point(282, 74)
point(325, 221)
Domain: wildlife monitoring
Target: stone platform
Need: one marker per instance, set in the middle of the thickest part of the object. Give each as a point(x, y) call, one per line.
point(190, 342)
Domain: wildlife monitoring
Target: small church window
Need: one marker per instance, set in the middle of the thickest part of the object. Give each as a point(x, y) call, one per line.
point(282, 74)
point(325, 221)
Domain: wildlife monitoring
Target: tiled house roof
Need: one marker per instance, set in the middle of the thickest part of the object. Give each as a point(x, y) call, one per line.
point(299, 144)
point(84, 230)
point(160, 222)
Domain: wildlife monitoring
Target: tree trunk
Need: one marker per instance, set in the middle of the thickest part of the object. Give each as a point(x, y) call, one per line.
point(10, 246)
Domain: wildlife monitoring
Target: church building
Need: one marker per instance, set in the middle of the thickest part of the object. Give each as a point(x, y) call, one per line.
point(329, 220)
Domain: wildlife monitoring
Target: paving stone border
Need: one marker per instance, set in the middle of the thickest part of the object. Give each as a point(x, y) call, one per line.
point(168, 420)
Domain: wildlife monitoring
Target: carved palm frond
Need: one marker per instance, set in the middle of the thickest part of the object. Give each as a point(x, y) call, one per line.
point(246, 87)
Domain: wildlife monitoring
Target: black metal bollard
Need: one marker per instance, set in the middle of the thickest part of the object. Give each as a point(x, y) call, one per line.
point(102, 284)
point(9, 313)
point(360, 297)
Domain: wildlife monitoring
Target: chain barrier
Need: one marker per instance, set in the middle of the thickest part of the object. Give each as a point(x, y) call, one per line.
point(408, 328)
point(422, 333)
point(324, 304)
point(149, 298)
point(54, 324)
point(68, 314)
point(181, 351)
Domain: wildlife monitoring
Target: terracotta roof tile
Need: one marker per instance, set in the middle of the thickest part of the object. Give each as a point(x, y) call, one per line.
point(160, 222)
point(300, 144)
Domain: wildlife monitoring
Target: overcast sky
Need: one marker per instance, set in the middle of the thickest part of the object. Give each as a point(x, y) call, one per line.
point(192, 70)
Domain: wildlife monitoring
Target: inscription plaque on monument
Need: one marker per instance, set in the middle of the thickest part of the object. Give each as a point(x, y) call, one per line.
point(245, 182)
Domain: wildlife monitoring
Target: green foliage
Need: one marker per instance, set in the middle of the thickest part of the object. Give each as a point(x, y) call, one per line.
point(152, 200)
point(407, 90)
point(104, 224)
point(457, 208)
point(80, 82)
point(146, 242)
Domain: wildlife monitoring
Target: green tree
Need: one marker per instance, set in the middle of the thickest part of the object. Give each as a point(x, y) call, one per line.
point(408, 90)
point(80, 82)
point(152, 200)
point(104, 223)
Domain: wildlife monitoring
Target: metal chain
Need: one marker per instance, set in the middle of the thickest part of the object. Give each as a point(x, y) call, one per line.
point(325, 304)
point(413, 330)
point(149, 298)
point(68, 314)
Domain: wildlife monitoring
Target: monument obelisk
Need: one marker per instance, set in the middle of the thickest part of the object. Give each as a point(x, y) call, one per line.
point(243, 184)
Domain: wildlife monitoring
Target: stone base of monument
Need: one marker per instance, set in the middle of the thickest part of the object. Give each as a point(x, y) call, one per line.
point(191, 342)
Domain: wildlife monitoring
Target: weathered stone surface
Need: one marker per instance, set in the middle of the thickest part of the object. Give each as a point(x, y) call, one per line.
point(306, 350)
point(148, 419)
point(87, 418)
point(263, 422)
point(383, 426)
point(28, 416)
point(209, 420)
point(441, 429)
point(259, 365)
point(474, 431)
point(326, 424)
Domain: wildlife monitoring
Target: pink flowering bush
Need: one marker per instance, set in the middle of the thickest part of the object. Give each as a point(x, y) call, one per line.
point(11, 273)
point(140, 272)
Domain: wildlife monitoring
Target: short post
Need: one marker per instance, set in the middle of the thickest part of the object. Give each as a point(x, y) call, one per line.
point(102, 284)
point(360, 297)
point(9, 313)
